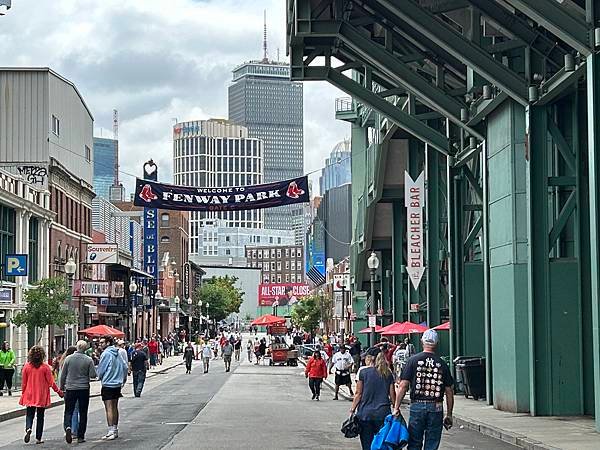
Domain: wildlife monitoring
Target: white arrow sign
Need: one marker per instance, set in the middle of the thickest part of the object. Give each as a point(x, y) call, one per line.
point(414, 200)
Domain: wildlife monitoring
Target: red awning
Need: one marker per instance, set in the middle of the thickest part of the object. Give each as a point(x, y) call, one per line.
point(367, 330)
point(403, 328)
point(268, 320)
point(102, 330)
point(444, 326)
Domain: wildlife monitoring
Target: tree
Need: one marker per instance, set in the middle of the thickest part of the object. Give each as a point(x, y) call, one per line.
point(222, 295)
point(46, 305)
point(306, 314)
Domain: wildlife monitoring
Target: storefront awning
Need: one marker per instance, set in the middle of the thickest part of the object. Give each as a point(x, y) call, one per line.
point(141, 273)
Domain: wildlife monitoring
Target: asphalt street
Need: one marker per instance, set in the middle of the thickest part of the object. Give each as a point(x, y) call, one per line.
point(252, 407)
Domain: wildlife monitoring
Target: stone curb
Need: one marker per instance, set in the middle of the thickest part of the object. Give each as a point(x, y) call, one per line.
point(509, 437)
point(13, 414)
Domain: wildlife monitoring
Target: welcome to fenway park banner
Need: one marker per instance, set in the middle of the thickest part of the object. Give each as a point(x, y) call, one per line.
point(152, 194)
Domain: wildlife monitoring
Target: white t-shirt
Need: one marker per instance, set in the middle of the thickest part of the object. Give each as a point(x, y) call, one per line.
point(206, 352)
point(342, 361)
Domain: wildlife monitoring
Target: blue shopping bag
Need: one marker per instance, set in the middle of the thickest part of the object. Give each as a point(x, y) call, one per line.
point(393, 435)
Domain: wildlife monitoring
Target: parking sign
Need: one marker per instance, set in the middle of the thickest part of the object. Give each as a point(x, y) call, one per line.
point(15, 265)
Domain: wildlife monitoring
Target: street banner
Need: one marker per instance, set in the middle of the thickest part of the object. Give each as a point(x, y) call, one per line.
point(414, 200)
point(152, 194)
point(281, 294)
point(150, 224)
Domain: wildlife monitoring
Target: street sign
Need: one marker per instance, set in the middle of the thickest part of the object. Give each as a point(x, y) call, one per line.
point(6, 295)
point(414, 200)
point(414, 307)
point(15, 265)
point(372, 321)
point(341, 282)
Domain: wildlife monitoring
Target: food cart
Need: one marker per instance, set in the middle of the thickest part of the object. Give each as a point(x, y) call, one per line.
point(278, 347)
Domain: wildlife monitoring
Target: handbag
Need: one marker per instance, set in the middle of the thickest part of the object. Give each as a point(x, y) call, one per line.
point(351, 427)
point(393, 435)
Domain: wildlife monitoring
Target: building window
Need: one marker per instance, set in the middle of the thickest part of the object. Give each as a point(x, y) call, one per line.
point(260, 253)
point(287, 252)
point(164, 220)
point(293, 278)
point(7, 233)
point(227, 238)
point(55, 125)
point(287, 277)
point(228, 252)
point(273, 267)
point(165, 240)
point(88, 154)
point(33, 249)
point(273, 253)
point(287, 265)
point(278, 265)
point(279, 240)
point(279, 278)
point(279, 253)
point(273, 278)
point(293, 265)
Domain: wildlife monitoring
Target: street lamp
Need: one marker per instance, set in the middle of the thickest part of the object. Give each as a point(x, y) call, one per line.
point(130, 314)
point(158, 296)
point(177, 300)
point(70, 269)
point(373, 264)
point(322, 306)
point(201, 318)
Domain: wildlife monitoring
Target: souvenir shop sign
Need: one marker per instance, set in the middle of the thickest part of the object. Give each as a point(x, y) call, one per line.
point(151, 194)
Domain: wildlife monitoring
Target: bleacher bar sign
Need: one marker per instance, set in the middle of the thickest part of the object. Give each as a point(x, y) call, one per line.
point(414, 200)
point(151, 194)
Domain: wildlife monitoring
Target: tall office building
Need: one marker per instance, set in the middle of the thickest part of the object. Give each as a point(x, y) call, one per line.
point(264, 100)
point(106, 169)
point(337, 167)
point(217, 154)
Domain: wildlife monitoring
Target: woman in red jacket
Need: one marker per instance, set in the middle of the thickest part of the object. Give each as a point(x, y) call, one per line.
point(315, 371)
point(35, 391)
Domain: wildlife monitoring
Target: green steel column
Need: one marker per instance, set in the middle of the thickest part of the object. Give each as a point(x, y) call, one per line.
point(398, 231)
point(593, 113)
point(455, 260)
point(433, 208)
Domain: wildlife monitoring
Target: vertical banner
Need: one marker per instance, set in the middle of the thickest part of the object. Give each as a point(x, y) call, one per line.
point(414, 200)
point(150, 227)
point(186, 281)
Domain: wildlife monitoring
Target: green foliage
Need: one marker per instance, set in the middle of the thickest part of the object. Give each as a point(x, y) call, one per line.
point(46, 305)
point(222, 295)
point(306, 314)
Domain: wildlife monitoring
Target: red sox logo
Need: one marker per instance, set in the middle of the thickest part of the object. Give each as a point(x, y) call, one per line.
point(293, 191)
point(147, 195)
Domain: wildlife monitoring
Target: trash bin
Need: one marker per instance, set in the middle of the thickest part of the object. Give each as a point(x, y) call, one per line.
point(459, 381)
point(472, 372)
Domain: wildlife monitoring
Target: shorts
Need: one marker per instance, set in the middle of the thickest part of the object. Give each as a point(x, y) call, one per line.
point(342, 380)
point(110, 393)
point(227, 358)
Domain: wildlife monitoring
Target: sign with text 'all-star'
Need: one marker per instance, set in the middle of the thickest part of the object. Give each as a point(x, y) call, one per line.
point(15, 265)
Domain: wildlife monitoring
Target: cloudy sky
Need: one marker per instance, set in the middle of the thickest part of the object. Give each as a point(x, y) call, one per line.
point(157, 61)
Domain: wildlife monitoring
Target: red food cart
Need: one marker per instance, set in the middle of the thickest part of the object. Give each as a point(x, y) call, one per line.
point(279, 347)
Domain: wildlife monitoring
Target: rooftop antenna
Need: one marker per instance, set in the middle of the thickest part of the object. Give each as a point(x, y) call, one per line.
point(116, 138)
point(278, 54)
point(265, 58)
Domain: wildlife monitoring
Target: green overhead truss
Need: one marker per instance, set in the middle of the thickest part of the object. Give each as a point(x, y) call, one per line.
point(498, 102)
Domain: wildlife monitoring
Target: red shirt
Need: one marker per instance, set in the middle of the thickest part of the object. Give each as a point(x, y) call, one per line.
point(316, 368)
point(389, 355)
point(329, 349)
point(153, 347)
point(35, 386)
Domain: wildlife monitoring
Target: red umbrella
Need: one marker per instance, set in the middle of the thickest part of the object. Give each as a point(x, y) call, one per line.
point(267, 320)
point(403, 328)
point(444, 326)
point(102, 330)
point(367, 330)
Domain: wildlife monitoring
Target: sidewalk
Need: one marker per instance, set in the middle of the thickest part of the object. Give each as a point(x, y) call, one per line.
point(10, 408)
point(525, 431)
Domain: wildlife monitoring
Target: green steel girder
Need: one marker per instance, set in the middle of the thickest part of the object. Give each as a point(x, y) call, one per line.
point(551, 15)
point(458, 45)
point(513, 25)
point(387, 63)
point(560, 84)
point(403, 120)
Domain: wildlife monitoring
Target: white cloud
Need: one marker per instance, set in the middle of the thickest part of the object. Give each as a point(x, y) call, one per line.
point(154, 61)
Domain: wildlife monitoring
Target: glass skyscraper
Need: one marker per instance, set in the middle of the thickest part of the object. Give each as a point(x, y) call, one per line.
point(264, 100)
point(337, 168)
point(105, 158)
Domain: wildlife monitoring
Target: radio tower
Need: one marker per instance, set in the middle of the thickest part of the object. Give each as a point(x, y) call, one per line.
point(116, 138)
point(265, 55)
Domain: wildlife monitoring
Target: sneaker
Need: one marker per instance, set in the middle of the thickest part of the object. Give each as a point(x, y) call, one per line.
point(80, 440)
point(27, 437)
point(335, 398)
point(68, 435)
point(112, 437)
point(105, 437)
point(39, 441)
point(317, 398)
point(313, 397)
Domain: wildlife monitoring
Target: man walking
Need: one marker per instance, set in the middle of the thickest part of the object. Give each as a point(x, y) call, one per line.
point(75, 375)
point(153, 350)
point(112, 372)
point(206, 354)
point(237, 346)
point(342, 362)
point(188, 357)
point(429, 379)
point(138, 365)
point(227, 352)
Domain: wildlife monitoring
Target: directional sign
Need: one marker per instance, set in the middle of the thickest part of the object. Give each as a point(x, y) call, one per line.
point(414, 200)
point(15, 265)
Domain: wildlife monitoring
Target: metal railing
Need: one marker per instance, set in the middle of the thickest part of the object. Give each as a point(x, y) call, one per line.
point(345, 104)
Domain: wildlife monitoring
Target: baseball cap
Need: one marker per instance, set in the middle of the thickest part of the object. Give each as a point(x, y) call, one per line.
point(373, 351)
point(430, 337)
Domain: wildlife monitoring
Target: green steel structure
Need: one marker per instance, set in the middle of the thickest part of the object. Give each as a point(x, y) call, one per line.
point(498, 102)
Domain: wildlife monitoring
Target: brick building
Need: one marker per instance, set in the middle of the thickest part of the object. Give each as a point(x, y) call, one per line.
point(278, 264)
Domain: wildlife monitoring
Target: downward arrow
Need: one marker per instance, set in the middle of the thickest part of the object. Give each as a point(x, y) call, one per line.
point(415, 274)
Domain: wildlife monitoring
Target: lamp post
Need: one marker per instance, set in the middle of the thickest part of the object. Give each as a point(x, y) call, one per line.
point(177, 300)
point(201, 319)
point(207, 320)
point(156, 316)
point(322, 306)
point(70, 269)
point(189, 302)
point(373, 264)
point(130, 314)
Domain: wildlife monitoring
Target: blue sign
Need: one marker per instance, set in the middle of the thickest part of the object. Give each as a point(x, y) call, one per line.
point(15, 265)
point(150, 227)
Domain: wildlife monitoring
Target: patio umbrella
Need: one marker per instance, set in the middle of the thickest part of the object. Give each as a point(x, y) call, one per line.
point(102, 330)
point(403, 328)
point(444, 326)
point(367, 330)
point(268, 320)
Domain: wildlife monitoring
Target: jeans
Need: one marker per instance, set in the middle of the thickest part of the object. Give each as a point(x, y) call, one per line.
point(31, 412)
point(6, 375)
point(139, 377)
point(315, 386)
point(73, 398)
point(426, 421)
point(368, 430)
point(75, 420)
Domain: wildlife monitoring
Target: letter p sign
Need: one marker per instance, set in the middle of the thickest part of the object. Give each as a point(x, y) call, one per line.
point(15, 265)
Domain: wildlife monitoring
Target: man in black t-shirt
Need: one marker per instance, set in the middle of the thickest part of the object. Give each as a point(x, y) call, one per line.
point(138, 366)
point(429, 380)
